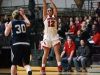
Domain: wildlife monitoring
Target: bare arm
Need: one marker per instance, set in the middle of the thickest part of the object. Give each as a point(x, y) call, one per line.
point(55, 8)
point(71, 32)
point(72, 52)
point(62, 54)
point(44, 10)
point(7, 28)
point(25, 18)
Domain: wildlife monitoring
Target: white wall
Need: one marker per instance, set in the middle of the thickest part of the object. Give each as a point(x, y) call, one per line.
point(59, 3)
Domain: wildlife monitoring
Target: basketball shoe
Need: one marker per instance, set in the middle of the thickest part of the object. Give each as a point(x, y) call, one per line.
point(59, 68)
point(29, 72)
point(43, 71)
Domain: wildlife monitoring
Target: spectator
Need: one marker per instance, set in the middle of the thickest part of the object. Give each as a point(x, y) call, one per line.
point(72, 32)
point(98, 10)
point(39, 16)
point(96, 22)
point(69, 49)
point(31, 6)
point(96, 16)
point(6, 19)
point(71, 19)
point(61, 28)
point(92, 32)
point(89, 26)
point(67, 24)
point(76, 21)
point(77, 38)
point(82, 56)
point(38, 13)
point(86, 19)
point(80, 22)
point(96, 39)
point(30, 15)
point(99, 20)
point(84, 26)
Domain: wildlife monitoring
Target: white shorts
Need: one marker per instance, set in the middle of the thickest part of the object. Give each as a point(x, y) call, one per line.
point(50, 41)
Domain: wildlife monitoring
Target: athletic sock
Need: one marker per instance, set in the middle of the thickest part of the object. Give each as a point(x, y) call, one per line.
point(28, 69)
point(43, 65)
point(59, 63)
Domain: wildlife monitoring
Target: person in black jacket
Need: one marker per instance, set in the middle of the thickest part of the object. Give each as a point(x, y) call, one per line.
point(98, 9)
point(61, 28)
point(82, 56)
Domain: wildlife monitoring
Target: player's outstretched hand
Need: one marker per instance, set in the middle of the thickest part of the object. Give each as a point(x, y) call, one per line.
point(6, 24)
point(22, 11)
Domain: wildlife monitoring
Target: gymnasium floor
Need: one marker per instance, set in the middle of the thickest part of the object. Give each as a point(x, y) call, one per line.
point(7, 72)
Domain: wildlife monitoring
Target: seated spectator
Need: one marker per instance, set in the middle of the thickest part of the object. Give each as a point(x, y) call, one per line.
point(92, 32)
point(72, 31)
point(67, 24)
point(69, 49)
point(99, 20)
point(61, 28)
point(96, 17)
point(76, 21)
point(85, 34)
point(86, 18)
point(82, 56)
point(77, 38)
point(89, 26)
point(96, 38)
point(84, 26)
point(80, 22)
point(95, 22)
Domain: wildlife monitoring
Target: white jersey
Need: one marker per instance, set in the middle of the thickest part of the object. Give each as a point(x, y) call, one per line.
point(50, 25)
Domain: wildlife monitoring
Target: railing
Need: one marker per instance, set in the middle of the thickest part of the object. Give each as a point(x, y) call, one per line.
point(8, 10)
point(90, 6)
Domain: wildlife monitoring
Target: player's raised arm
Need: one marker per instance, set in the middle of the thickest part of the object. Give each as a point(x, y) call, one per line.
point(25, 18)
point(55, 8)
point(44, 10)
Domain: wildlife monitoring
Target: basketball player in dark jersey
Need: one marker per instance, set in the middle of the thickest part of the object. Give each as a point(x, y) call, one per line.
point(20, 46)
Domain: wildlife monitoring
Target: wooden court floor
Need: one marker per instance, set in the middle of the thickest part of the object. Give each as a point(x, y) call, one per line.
point(7, 72)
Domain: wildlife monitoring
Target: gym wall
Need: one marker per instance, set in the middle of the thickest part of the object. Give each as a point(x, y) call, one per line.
point(59, 3)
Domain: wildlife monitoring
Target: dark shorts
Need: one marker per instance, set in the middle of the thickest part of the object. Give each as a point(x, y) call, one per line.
point(20, 54)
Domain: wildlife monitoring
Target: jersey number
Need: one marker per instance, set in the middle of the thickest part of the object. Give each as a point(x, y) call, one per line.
point(51, 23)
point(21, 28)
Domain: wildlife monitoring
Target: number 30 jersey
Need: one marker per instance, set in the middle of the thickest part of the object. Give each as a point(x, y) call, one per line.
point(50, 25)
point(19, 31)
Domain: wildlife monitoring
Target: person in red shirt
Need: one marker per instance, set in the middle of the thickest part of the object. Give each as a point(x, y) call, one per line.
point(69, 49)
point(72, 31)
point(96, 38)
point(80, 22)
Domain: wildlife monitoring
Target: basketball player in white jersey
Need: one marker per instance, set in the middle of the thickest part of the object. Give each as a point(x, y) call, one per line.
point(51, 38)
